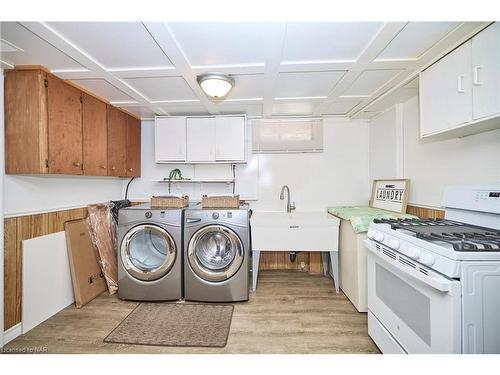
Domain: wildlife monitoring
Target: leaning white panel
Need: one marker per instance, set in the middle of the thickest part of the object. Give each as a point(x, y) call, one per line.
point(47, 287)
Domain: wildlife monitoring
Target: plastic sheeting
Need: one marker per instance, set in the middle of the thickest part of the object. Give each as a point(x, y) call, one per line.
point(102, 229)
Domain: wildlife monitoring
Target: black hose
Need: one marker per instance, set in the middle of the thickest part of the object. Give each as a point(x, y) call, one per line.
point(126, 190)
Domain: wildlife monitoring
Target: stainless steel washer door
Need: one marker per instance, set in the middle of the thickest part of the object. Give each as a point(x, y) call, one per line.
point(215, 253)
point(148, 252)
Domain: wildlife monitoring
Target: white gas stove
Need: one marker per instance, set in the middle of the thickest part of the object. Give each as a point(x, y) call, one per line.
point(434, 285)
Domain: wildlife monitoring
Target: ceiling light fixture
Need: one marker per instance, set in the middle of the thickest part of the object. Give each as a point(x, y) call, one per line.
point(216, 85)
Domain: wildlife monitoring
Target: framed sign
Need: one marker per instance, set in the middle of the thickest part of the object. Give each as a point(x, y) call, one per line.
point(390, 195)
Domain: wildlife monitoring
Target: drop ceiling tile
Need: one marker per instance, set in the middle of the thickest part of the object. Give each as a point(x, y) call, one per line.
point(327, 41)
point(227, 43)
point(247, 86)
point(369, 81)
point(116, 45)
point(339, 108)
point(185, 109)
point(415, 39)
point(35, 50)
point(306, 84)
point(103, 89)
point(142, 112)
point(234, 108)
point(163, 88)
point(297, 109)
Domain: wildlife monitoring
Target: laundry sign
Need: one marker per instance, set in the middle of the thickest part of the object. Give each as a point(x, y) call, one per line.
point(391, 195)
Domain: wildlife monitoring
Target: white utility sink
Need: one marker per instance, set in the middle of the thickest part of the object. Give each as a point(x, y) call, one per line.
point(297, 231)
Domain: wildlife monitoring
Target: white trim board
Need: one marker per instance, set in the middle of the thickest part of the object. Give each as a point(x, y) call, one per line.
point(12, 333)
point(2, 169)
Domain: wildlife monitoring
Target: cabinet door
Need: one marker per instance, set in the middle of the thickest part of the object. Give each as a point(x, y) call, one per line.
point(230, 139)
point(486, 72)
point(117, 142)
point(64, 127)
point(133, 147)
point(95, 136)
point(25, 121)
point(446, 92)
point(170, 139)
point(200, 139)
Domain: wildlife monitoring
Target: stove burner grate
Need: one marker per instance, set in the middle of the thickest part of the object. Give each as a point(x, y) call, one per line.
point(461, 236)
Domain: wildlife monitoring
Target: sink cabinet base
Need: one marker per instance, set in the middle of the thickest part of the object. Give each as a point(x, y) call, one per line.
point(326, 256)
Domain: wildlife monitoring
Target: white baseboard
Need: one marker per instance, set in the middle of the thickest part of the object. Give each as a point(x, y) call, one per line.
point(12, 333)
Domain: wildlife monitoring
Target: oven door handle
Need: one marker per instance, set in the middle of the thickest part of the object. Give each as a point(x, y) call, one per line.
point(444, 286)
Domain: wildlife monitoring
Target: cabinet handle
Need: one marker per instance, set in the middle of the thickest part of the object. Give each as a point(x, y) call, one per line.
point(460, 83)
point(476, 75)
point(77, 164)
point(103, 167)
point(113, 168)
point(130, 170)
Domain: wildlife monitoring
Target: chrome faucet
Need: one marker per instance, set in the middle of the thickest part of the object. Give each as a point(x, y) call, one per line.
point(289, 207)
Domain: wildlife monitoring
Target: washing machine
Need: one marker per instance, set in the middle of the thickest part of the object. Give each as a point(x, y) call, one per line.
point(149, 253)
point(216, 255)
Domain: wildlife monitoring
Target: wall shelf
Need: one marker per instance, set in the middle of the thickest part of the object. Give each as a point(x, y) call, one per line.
point(194, 181)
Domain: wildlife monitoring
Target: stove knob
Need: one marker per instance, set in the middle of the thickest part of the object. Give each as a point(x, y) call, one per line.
point(379, 237)
point(414, 253)
point(394, 244)
point(427, 259)
point(371, 234)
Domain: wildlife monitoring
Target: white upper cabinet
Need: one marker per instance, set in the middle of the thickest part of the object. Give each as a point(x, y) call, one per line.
point(200, 139)
point(230, 138)
point(460, 94)
point(486, 72)
point(170, 139)
point(446, 92)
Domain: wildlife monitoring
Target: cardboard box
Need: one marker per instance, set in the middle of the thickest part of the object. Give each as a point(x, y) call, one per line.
point(86, 275)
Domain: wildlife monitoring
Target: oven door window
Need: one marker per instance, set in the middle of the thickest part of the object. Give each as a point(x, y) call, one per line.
point(421, 317)
point(407, 302)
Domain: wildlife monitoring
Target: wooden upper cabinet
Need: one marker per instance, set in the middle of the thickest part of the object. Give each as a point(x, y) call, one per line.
point(95, 136)
point(26, 142)
point(65, 127)
point(52, 126)
point(117, 142)
point(133, 147)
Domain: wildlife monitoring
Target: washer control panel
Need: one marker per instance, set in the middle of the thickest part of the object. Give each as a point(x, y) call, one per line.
point(230, 216)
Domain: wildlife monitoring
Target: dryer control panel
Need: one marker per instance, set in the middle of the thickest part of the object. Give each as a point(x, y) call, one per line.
point(239, 217)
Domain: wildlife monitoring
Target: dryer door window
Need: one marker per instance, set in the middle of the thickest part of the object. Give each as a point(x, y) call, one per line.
point(215, 253)
point(148, 252)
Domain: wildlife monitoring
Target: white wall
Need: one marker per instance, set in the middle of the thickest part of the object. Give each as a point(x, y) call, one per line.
point(33, 194)
point(338, 176)
point(433, 165)
point(383, 158)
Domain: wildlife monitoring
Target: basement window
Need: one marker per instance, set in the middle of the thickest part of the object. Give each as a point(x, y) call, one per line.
point(287, 135)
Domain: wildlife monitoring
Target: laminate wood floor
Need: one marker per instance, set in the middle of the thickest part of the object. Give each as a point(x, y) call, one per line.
point(291, 312)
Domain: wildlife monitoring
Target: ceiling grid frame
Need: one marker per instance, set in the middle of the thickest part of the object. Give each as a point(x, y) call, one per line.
point(406, 69)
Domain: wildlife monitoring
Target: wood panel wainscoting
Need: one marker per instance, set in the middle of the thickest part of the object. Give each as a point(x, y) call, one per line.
point(425, 212)
point(17, 229)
